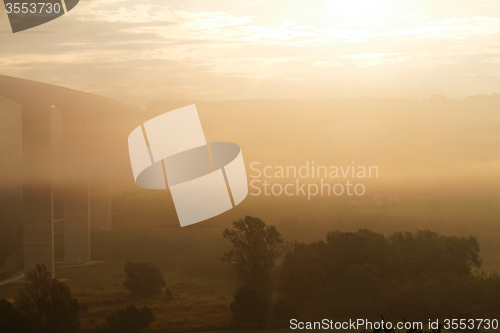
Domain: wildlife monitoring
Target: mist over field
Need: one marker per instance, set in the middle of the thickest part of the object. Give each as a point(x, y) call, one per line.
point(437, 158)
point(425, 148)
point(370, 134)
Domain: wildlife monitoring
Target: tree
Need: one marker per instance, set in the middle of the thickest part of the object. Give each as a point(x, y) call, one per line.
point(285, 308)
point(12, 320)
point(428, 252)
point(303, 273)
point(130, 319)
point(47, 303)
point(356, 273)
point(364, 283)
point(256, 246)
point(251, 305)
point(143, 278)
point(363, 247)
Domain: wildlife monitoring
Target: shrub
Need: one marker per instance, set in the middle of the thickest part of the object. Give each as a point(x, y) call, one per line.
point(251, 305)
point(130, 319)
point(168, 296)
point(143, 278)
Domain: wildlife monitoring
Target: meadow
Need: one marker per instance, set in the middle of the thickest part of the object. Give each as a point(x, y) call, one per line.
point(204, 288)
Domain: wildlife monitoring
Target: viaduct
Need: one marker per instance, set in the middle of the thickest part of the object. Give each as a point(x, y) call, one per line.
point(59, 162)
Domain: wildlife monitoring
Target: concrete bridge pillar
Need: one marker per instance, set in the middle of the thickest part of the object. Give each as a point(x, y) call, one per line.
point(40, 125)
point(11, 174)
point(76, 184)
point(100, 171)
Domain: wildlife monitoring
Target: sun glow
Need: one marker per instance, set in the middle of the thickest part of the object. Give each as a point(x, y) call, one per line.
point(365, 11)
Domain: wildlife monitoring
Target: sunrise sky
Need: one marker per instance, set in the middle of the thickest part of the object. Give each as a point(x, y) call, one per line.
point(135, 51)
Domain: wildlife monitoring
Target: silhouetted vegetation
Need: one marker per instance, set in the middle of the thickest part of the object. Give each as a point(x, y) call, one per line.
point(45, 305)
point(284, 309)
point(168, 296)
point(12, 320)
point(428, 252)
point(256, 246)
point(423, 275)
point(251, 305)
point(143, 278)
point(130, 319)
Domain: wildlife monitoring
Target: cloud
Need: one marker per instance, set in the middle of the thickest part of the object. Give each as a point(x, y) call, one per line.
point(221, 26)
point(227, 50)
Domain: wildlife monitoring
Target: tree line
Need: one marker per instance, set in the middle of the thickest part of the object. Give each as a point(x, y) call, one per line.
point(414, 275)
point(418, 275)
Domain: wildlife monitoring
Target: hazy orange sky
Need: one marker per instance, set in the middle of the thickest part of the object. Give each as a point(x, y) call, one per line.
point(135, 51)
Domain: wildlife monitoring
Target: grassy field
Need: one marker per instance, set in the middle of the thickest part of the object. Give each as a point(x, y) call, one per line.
point(200, 303)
